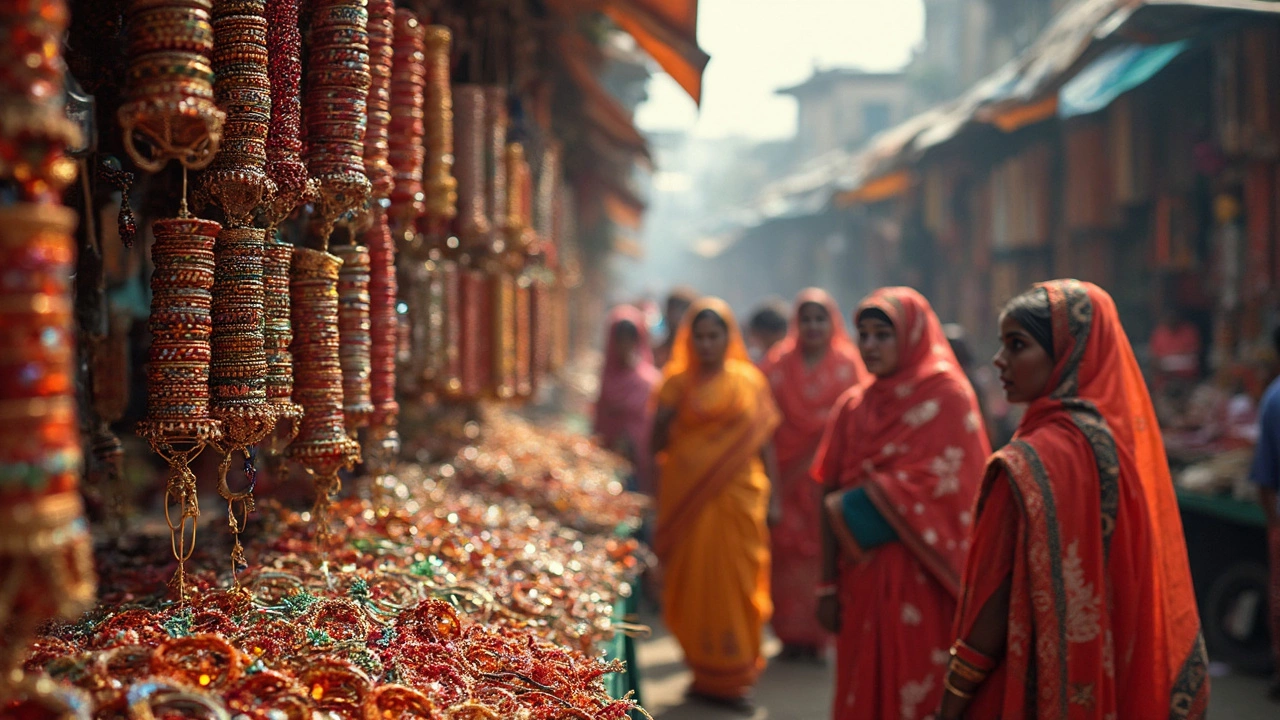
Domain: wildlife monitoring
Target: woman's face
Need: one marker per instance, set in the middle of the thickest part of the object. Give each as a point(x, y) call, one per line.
point(626, 341)
point(710, 341)
point(878, 342)
point(815, 327)
point(1025, 366)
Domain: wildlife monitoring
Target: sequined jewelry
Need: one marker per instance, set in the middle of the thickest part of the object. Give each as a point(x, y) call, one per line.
point(284, 141)
point(354, 331)
point(169, 111)
point(322, 446)
point(377, 166)
point(34, 129)
point(237, 179)
point(439, 185)
point(469, 138)
point(407, 128)
point(336, 111)
point(46, 566)
point(178, 423)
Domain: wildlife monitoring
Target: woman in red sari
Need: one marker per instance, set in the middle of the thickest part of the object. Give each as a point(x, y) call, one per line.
point(900, 461)
point(808, 370)
point(1077, 596)
point(711, 434)
point(622, 415)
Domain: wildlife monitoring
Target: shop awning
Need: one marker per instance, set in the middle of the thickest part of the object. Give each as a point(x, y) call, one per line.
point(603, 111)
point(668, 31)
point(665, 29)
point(878, 189)
point(1114, 73)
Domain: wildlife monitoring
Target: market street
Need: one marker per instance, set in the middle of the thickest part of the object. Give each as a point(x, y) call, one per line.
point(792, 691)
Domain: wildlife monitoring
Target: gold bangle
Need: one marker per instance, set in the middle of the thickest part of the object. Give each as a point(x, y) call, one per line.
point(946, 683)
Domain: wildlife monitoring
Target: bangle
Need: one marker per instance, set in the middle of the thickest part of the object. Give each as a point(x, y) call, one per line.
point(966, 671)
point(946, 683)
point(974, 659)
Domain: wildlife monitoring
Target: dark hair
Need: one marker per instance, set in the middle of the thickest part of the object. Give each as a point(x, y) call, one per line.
point(1031, 310)
point(768, 319)
point(626, 329)
point(873, 313)
point(709, 313)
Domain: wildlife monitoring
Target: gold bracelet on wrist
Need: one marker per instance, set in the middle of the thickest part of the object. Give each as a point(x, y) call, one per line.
point(946, 683)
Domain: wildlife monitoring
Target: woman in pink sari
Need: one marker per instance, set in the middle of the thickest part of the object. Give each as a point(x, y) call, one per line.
point(622, 412)
point(808, 371)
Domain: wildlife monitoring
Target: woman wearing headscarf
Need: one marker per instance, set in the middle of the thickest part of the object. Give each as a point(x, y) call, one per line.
point(622, 418)
point(711, 435)
point(1077, 599)
point(808, 371)
point(900, 462)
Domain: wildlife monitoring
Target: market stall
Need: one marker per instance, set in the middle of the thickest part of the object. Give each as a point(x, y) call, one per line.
point(244, 238)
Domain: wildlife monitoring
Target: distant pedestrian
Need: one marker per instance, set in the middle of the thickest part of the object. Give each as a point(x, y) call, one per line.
point(678, 303)
point(809, 370)
point(622, 413)
point(711, 436)
point(766, 327)
point(900, 461)
point(1266, 474)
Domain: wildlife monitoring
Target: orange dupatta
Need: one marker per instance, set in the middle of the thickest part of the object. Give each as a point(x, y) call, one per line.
point(721, 423)
point(1102, 617)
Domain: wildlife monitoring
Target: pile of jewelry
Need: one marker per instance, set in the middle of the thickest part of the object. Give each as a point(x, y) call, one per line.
point(560, 474)
point(436, 603)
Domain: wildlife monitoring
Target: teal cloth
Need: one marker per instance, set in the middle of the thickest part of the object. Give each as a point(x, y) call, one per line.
point(866, 523)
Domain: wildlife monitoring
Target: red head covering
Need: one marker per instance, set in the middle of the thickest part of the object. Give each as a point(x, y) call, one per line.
point(915, 439)
point(805, 394)
point(1099, 537)
point(622, 411)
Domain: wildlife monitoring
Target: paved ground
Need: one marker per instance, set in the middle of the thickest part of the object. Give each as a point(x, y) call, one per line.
point(803, 692)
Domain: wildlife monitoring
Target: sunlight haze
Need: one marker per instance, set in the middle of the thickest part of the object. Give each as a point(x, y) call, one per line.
point(757, 46)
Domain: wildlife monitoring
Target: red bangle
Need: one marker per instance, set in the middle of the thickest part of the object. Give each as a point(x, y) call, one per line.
point(974, 659)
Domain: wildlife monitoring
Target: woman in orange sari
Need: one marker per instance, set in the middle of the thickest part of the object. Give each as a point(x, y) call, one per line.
point(1077, 597)
point(900, 461)
point(711, 436)
point(808, 371)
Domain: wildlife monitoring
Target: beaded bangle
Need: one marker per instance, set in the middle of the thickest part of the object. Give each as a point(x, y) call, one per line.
point(284, 142)
point(237, 178)
point(440, 187)
point(496, 120)
point(376, 148)
point(469, 138)
point(524, 339)
point(168, 111)
point(384, 326)
point(34, 129)
point(406, 151)
point(46, 561)
point(503, 323)
point(354, 331)
point(178, 423)
point(322, 445)
point(336, 106)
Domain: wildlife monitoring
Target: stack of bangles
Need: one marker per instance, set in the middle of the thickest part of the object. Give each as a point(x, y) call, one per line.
point(968, 665)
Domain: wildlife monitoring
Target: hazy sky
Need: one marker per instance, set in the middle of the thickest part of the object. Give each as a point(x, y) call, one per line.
point(757, 46)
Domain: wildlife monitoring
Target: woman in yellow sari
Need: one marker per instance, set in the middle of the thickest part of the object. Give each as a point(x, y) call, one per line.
point(711, 440)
